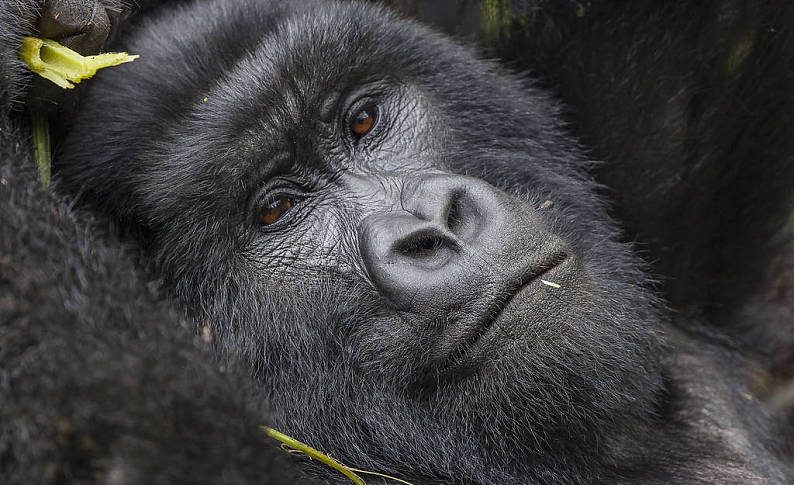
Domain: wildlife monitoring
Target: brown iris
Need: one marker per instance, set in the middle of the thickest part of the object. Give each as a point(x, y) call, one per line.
point(364, 121)
point(275, 209)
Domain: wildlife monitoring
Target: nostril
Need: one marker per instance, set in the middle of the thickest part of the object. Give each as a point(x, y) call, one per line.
point(420, 247)
point(462, 215)
point(454, 212)
point(424, 244)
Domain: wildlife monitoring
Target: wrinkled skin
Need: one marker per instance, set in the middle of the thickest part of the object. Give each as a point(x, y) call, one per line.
point(439, 295)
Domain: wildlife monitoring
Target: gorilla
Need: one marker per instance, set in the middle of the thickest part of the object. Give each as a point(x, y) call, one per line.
point(396, 245)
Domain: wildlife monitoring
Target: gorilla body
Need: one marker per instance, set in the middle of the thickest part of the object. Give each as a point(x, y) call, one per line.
point(100, 381)
point(403, 245)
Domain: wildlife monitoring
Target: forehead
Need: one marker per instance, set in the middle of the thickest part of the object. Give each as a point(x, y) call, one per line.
point(273, 92)
point(258, 74)
point(310, 55)
point(308, 65)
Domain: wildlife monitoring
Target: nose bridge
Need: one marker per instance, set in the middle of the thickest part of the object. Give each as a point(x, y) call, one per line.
point(388, 192)
point(426, 199)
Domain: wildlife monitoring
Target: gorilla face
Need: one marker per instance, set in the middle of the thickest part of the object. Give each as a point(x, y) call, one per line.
point(400, 239)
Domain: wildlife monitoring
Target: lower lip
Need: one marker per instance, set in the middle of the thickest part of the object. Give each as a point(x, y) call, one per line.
point(533, 291)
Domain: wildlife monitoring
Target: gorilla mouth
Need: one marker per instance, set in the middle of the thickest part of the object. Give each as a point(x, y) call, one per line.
point(553, 264)
point(550, 264)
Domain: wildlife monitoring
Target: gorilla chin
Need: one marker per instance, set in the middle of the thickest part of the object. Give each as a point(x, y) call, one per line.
point(400, 239)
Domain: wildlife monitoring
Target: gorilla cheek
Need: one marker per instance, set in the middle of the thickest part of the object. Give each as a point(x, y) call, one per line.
point(314, 248)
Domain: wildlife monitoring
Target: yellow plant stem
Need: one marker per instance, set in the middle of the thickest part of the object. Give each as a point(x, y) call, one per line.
point(60, 64)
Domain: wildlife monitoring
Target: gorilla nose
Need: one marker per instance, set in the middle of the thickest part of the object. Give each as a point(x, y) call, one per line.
point(420, 253)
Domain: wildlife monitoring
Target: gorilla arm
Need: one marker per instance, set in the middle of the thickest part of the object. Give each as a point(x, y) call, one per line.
point(99, 382)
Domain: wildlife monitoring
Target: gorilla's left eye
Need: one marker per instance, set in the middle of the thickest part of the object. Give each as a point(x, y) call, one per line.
point(363, 121)
point(275, 209)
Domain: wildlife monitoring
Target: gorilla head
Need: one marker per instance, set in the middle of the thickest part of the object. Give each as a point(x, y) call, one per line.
point(400, 239)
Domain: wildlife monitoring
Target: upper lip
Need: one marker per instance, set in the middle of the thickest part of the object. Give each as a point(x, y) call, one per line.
point(554, 259)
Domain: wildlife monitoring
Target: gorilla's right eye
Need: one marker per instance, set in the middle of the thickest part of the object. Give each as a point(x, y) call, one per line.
point(363, 121)
point(275, 209)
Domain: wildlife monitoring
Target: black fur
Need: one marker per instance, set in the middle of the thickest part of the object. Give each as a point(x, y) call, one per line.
point(100, 381)
point(583, 388)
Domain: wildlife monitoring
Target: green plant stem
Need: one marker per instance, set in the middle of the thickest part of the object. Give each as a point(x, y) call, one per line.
point(317, 455)
point(41, 146)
